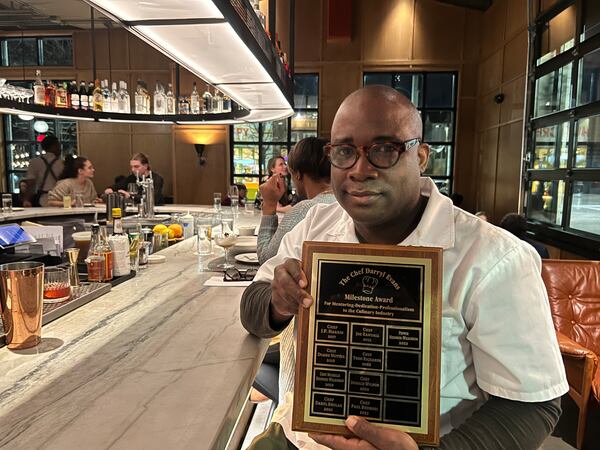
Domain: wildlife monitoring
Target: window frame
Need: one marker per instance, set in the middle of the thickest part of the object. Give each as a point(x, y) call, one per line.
point(424, 109)
point(560, 235)
point(39, 50)
point(262, 143)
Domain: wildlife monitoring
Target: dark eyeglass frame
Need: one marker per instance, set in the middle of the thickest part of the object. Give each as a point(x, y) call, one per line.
point(400, 147)
point(235, 274)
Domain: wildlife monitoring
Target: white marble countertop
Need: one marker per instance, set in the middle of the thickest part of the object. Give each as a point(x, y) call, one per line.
point(33, 213)
point(159, 362)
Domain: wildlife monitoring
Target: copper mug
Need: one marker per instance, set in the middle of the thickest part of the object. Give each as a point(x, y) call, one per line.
point(21, 303)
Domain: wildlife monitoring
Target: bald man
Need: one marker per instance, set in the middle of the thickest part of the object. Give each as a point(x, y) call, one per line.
point(502, 373)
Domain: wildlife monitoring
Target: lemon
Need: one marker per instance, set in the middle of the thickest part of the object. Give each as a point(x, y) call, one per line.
point(171, 232)
point(160, 228)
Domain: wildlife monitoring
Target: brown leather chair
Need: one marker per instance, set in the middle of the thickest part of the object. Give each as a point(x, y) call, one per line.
point(574, 294)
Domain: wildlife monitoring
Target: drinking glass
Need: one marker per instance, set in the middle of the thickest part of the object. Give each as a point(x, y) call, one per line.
point(143, 253)
point(203, 240)
point(234, 195)
point(6, 203)
point(226, 239)
point(217, 201)
point(67, 201)
point(78, 200)
point(57, 286)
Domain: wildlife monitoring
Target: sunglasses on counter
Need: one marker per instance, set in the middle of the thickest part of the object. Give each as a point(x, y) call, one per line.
point(234, 274)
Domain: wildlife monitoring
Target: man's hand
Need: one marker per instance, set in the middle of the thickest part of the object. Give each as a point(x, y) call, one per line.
point(287, 291)
point(124, 193)
point(271, 191)
point(108, 191)
point(368, 437)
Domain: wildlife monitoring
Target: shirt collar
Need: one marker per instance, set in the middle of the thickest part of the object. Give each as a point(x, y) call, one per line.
point(435, 229)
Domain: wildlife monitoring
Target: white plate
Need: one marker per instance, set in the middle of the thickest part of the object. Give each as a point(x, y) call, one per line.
point(247, 258)
point(156, 259)
point(246, 241)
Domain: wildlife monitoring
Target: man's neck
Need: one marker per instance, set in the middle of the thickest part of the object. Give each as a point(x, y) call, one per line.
point(392, 233)
point(314, 188)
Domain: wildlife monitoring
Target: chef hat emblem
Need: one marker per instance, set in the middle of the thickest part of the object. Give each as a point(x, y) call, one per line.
point(369, 284)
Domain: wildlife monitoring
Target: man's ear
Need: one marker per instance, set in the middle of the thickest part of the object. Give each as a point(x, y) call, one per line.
point(423, 155)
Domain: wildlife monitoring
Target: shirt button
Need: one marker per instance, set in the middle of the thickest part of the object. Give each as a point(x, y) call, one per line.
point(570, 296)
point(572, 322)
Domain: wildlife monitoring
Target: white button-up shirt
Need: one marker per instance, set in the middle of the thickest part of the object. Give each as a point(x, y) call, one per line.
point(497, 332)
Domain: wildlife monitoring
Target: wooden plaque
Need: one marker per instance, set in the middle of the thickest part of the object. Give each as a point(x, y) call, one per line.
point(370, 344)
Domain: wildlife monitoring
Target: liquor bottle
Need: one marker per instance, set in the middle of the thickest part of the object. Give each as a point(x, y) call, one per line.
point(114, 98)
point(261, 16)
point(207, 98)
point(50, 93)
point(100, 257)
point(195, 100)
point(107, 105)
point(39, 91)
point(217, 102)
point(170, 100)
point(119, 244)
point(74, 95)
point(160, 99)
point(61, 97)
point(98, 98)
point(123, 98)
point(108, 255)
point(90, 93)
point(184, 105)
point(142, 99)
point(83, 97)
point(226, 103)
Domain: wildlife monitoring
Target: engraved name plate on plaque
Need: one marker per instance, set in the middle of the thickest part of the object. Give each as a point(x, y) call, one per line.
point(370, 344)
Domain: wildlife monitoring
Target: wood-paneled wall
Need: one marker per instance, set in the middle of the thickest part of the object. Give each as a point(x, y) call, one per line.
point(396, 35)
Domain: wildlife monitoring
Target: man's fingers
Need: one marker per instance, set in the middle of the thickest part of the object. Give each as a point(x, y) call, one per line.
point(364, 430)
point(287, 293)
point(341, 442)
point(294, 268)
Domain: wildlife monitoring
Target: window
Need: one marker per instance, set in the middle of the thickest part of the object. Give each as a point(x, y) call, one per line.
point(22, 141)
point(253, 144)
point(37, 51)
point(562, 193)
point(434, 95)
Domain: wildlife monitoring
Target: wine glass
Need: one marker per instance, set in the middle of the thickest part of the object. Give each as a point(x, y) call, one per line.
point(225, 238)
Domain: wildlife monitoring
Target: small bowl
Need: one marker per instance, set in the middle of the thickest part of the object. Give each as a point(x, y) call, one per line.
point(246, 231)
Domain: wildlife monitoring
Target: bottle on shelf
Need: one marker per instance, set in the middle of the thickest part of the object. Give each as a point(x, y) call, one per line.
point(207, 100)
point(74, 95)
point(98, 98)
point(217, 102)
point(114, 98)
point(184, 105)
point(170, 100)
point(160, 99)
point(261, 16)
point(195, 100)
point(226, 103)
point(50, 93)
point(124, 100)
point(142, 99)
point(107, 103)
point(39, 91)
point(119, 245)
point(83, 97)
point(61, 99)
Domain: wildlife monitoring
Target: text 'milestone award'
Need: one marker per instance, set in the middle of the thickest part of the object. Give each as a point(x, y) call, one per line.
point(370, 344)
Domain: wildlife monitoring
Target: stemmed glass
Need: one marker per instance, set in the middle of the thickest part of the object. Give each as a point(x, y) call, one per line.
point(225, 238)
point(234, 196)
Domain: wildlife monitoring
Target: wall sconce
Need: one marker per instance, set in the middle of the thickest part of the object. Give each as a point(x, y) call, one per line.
point(200, 151)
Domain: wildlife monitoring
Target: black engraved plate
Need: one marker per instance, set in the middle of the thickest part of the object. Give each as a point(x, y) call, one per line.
point(331, 331)
point(365, 407)
point(367, 334)
point(365, 383)
point(329, 380)
point(366, 358)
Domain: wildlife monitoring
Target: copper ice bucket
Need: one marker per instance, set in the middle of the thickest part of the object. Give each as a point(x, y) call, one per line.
point(21, 303)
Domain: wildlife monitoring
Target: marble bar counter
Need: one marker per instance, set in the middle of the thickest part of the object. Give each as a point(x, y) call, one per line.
point(160, 362)
point(33, 214)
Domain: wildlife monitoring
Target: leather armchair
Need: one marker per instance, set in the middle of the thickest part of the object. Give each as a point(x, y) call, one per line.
point(574, 293)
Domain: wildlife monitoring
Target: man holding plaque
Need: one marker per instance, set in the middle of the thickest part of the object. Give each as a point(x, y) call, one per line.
point(501, 370)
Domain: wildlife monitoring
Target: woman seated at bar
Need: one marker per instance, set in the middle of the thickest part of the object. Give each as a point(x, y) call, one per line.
point(140, 167)
point(75, 179)
point(278, 168)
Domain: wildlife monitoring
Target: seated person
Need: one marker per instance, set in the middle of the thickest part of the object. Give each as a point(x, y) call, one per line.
point(517, 224)
point(140, 166)
point(310, 170)
point(242, 191)
point(76, 178)
point(277, 166)
point(502, 374)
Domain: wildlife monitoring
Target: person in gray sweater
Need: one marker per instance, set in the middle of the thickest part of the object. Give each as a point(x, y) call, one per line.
point(311, 171)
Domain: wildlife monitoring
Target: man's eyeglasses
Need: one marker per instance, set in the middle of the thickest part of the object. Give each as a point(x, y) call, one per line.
point(234, 274)
point(381, 155)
